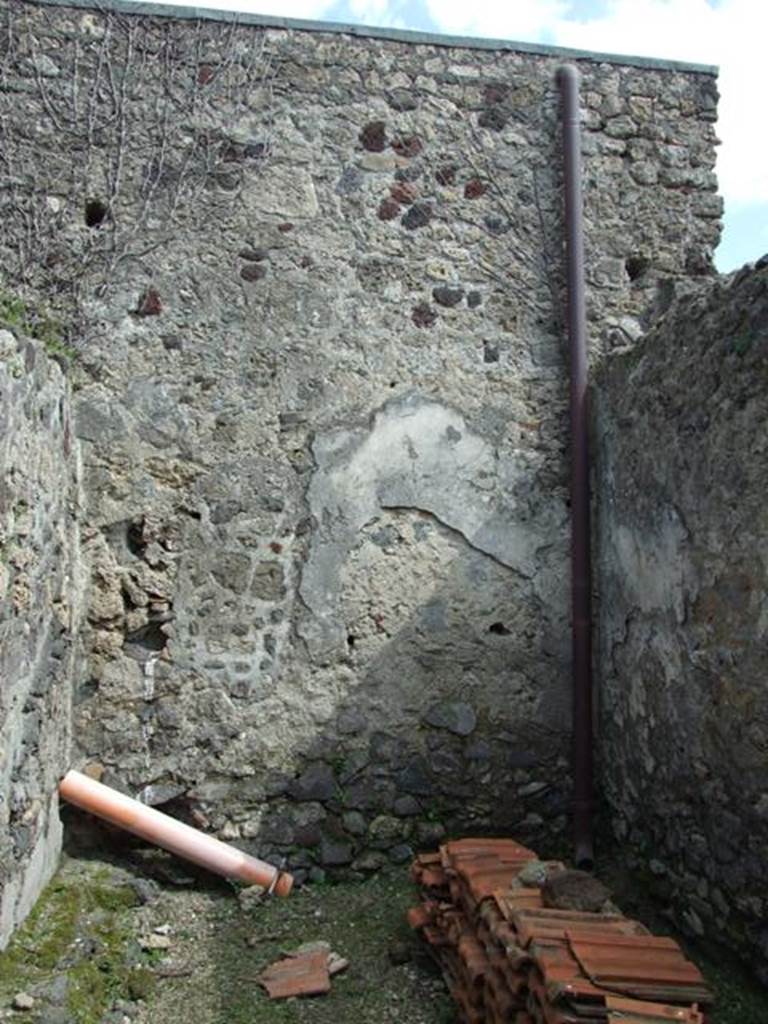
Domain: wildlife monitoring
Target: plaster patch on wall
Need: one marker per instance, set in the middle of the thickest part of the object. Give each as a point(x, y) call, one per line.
point(417, 454)
point(429, 618)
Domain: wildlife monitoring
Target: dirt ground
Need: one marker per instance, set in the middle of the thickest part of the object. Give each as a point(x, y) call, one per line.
point(225, 947)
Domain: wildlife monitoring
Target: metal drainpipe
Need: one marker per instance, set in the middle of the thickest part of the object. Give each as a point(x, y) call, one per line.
point(581, 586)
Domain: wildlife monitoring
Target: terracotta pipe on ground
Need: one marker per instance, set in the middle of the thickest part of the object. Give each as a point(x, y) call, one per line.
point(172, 835)
point(581, 582)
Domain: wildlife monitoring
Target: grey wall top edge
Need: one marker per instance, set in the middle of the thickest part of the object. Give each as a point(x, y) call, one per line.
point(367, 32)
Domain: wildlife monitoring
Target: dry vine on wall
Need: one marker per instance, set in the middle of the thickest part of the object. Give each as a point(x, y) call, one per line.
point(132, 114)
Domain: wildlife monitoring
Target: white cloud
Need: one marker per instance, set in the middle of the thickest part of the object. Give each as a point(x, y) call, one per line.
point(499, 19)
point(383, 13)
point(376, 12)
point(671, 29)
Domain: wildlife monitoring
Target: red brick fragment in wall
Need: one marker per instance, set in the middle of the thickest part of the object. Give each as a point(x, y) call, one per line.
point(404, 192)
point(388, 209)
point(475, 188)
point(407, 146)
point(149, 303)
point(446, 174)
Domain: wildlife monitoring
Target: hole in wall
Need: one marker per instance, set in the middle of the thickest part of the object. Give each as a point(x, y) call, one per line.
point(150, 638)
point(499, 629)
point(191, 512)
point(351, 638)
point(134, 537)
point(636, 266)
point(126, 538)
point(179, 807)
point(96, 211)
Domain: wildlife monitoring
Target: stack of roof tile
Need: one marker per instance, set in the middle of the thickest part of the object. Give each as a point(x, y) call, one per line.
point(509, 959)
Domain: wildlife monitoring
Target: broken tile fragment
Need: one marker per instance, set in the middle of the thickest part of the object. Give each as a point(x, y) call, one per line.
point(305, 974)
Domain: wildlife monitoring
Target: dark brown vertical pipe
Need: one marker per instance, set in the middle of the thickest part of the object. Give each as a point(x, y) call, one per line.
point(581, 612)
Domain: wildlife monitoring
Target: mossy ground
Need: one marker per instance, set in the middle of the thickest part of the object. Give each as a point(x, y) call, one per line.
point(80, 927)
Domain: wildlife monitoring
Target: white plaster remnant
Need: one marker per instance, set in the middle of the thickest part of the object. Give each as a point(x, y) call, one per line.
point(417, 454)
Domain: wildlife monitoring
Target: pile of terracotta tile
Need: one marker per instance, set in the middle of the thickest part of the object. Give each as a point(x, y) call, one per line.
point(509, 959)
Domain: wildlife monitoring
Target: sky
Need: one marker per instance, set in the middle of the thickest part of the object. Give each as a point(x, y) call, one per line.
point(729, 33)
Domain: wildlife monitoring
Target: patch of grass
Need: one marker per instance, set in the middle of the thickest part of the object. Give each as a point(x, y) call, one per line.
point(738, 996)
point(83, 927)
point(36, 323)
point(55, 346)
point(13, 311)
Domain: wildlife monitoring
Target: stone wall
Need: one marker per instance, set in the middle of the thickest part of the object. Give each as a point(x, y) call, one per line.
point(40, 594)
point(322, 402)
point(683, 577)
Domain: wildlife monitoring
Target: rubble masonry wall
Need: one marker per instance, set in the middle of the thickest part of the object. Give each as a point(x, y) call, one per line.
point(322, 402)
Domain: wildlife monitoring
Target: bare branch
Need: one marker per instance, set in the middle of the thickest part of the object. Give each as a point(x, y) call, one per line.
point(127, 126)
